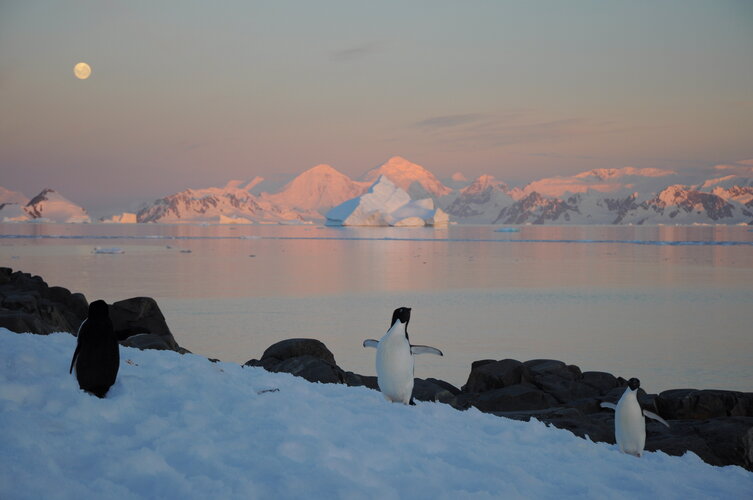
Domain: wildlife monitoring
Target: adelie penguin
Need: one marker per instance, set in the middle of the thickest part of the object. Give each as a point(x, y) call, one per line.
point(394, 358)
point(629, 424)
point(97, 355)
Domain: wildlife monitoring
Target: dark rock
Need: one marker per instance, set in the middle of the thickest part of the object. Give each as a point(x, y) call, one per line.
point(433, 389)
point(147, 341)
point(292, 348)
point(514, 397)
point(601, 381)
point(488, 375)
point(139, 315)
point(312, 369)
point(356, 380)
point(28, 304)
point(704, 404)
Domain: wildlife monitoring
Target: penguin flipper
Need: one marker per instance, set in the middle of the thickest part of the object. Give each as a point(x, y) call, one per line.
point(611, 406)
point(655, 417)
point(425, 349)
point(73, 359)
point(371, 343)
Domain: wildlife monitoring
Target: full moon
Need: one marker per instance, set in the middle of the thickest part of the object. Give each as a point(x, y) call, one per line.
point(82, 71)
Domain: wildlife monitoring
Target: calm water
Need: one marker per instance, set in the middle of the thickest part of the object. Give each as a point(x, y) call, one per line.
point(670, 305)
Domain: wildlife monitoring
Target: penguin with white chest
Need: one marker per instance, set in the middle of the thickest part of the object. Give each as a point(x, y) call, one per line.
point(97, 355)
point(629, 424)
point(394, 358)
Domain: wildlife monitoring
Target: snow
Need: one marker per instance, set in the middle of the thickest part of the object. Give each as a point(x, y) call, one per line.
point(124, 218)
point(110, 250)
point(177, 426)
point(410, 177)
point(385, 204)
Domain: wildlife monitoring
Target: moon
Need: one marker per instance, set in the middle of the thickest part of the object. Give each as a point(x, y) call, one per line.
point(82, 71)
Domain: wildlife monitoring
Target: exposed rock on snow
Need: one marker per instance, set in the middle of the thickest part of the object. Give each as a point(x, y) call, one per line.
point(481, 201)
point(230, 204)
point(51, 206)
point(385, 204)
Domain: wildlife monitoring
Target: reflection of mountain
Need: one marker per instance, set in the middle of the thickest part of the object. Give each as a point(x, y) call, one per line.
point(47, 206)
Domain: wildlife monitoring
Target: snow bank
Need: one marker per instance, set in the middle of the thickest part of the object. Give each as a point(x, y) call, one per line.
point(178, 426)
point(385, 204)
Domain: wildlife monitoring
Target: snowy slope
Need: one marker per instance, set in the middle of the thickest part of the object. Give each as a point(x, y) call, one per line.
point(317, 189)
point(481, 201)
point(49, 205)
point(181, 427)
point(8, 196)
point(410, 177)
point(231, 203)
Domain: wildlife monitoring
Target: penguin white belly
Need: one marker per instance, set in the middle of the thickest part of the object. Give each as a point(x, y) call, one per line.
point(394, 365)
point(630, 427)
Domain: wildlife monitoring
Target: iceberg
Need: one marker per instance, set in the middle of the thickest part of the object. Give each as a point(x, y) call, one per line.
point(385, 204)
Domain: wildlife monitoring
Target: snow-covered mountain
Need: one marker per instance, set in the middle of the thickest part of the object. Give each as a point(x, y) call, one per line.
point(47, 206)
point(385, 204)
point(481, 201)
point(8, 196)
point(411, 178)
point(603, 180)
point(317, 190)
point(232, 203)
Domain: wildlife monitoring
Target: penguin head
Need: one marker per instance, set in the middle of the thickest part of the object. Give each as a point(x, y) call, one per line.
point(634, 383)
point(99, 310)
point(402, 314)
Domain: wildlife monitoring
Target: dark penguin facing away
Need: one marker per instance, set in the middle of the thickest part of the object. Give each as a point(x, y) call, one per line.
point(97, 355)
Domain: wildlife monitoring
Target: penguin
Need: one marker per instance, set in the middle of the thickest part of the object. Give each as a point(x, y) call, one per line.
point(629, 424)
point(97, 355)
point(394, 358)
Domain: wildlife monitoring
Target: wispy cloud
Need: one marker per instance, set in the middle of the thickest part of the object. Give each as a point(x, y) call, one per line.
point(515, 126)
point(450, 120)
point(354, 53)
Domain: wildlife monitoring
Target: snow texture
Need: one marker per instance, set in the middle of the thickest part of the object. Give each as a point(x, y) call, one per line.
point(177, 426)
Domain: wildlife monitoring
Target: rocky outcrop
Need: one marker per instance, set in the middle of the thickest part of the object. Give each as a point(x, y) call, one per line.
point(715, 425)
point(29, 305)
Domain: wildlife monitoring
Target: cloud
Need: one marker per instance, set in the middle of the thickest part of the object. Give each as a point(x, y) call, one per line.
point(742, 167)
point(514, 126)
point(354, 53)
point(450, 120)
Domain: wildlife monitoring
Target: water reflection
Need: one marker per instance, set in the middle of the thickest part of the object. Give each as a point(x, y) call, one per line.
point(656, 310)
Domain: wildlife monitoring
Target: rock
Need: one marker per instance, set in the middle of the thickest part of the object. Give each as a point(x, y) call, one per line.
point(147, 341)
point(28, 304)
point(292, 348)
point(512, 398)
point(704, 404)
point(601, 381)
point(488, 375)
point(139, 315)
point(356, 380)
point(433, 389)
point(307, 358)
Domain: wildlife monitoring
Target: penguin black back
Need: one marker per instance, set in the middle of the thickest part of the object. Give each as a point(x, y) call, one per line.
point(97, 355)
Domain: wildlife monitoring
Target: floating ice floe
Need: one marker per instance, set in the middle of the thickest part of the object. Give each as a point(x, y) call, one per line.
point(111, 250)
point(385, 204)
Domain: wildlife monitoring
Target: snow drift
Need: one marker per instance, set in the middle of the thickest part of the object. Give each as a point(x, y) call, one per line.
point(178, 426)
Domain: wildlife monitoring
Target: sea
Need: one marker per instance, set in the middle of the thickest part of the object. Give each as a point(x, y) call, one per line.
point(671, 305)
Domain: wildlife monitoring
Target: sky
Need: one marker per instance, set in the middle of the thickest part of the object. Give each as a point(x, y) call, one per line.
point(193, 94)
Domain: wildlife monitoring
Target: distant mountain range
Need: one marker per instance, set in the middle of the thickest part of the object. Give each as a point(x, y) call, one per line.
point(602, 196)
